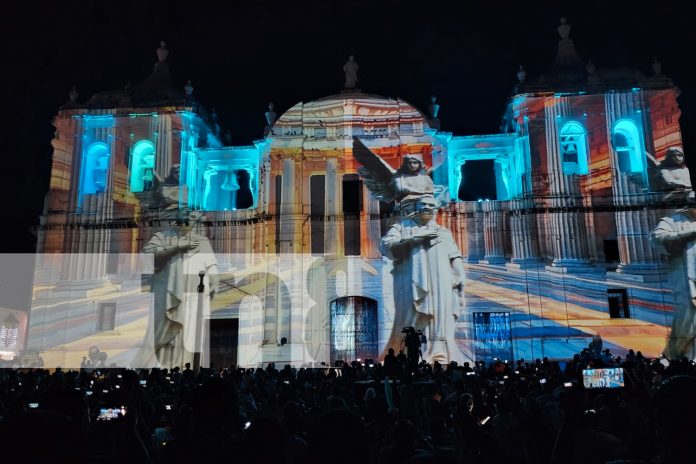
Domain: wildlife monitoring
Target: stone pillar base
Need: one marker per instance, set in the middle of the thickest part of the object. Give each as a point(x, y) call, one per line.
point(638, 273)
point(83, 288)
point(526, 263)
point(493, 260)
point(572, 267)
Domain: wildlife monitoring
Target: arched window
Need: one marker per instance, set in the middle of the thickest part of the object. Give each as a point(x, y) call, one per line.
point(626, 140)
point(573, 146)
point(227, 189)
point(142, 166)
point(95, 168)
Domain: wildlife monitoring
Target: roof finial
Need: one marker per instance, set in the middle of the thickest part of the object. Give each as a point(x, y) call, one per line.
point(162, 52)
point(351, 70)
point(567, 59)
point(521, 75)
point(434, 109)
point(657, 67)
point(188, 89)
point(162, 55)
point(270, 119)
point(73, 95)
point(590, 67)
point(564, 29)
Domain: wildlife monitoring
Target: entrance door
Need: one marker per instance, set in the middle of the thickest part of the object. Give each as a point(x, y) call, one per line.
point(618, 303)
point(353, 329)
point(223, 342)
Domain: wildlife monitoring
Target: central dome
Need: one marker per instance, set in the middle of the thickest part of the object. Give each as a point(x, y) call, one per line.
point(351, 114)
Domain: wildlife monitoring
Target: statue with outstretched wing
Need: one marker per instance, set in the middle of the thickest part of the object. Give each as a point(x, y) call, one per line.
point(410, 182)
point(376, 172)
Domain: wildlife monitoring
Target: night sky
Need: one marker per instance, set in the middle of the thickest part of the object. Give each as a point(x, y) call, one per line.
point(240, 55)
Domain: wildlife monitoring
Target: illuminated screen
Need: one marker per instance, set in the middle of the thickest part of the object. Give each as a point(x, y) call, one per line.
point(603, 378)
point(107, 414)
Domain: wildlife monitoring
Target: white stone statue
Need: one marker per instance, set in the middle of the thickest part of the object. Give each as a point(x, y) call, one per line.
point(180, 254)
point(427, 270)
point(676, 236)
point(351, 71)
point(404, 185)
point(428, 281)
point(675, 176)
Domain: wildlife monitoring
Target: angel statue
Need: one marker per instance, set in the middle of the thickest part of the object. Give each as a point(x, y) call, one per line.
point(427, 269)
point(404, 185)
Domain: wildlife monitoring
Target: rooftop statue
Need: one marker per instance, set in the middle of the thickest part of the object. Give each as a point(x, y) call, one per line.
point(162, 54)
point(351, 69)
point(564, 29)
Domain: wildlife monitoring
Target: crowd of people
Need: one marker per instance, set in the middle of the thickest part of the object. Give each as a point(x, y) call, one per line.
point(501, 412)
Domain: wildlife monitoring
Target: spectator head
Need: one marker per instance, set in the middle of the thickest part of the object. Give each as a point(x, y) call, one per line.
point(466, 402)
point(370, 394)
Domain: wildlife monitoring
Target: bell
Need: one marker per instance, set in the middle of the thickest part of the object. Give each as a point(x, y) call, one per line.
point(230, 182)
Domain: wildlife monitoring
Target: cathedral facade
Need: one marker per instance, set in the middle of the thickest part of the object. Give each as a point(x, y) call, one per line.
point(557, 248)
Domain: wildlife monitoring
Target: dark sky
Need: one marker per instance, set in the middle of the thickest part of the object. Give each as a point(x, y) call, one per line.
point(242, 54)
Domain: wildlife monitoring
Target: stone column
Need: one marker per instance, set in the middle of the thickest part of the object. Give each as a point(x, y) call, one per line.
point(291, 217)
point(568, 238)
point(369, 226)
point(86, 245)
point(333, 230)
point(473, 228)
point(291, 223)
point(638, 259)
point(524, 236)
point(493, 233)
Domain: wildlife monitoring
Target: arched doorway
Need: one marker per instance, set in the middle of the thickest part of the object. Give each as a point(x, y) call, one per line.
point(353, 328)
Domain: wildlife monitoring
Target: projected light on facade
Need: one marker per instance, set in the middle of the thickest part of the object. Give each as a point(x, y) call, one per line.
point(566, 233)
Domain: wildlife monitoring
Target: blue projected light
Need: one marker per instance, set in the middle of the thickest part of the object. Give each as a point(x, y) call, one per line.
point(95, 167)
point(142, 166)
point(627, 145)
point(573, 147)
